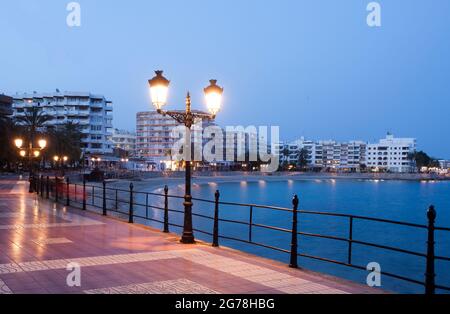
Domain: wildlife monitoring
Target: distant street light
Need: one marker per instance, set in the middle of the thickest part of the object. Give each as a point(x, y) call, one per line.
point(159, 89)
point(59, 158)
point(30, 152)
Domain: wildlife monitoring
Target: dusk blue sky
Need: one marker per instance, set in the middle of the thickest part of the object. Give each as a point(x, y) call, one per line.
point(312, 67)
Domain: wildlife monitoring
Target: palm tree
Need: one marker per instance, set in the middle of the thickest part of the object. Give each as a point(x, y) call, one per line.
point(168, 153)
point(302, 160)
point(66, 141)
point(33, 121)
point(285, 152)
point(8, 131)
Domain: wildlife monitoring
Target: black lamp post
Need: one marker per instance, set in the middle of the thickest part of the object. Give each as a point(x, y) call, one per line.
point(30, 153)
point(159, 87)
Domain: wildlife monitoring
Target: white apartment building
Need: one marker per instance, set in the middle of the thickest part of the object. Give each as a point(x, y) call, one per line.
point(348, 156)
point(154, 140)
point(332, 155)
point(444, 164)
point(288, 152)
point(93, 113)
point(391, 154)
point(124, 140)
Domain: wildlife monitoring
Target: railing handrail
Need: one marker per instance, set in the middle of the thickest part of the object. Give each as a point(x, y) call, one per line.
point(301, 211)
point(52, 186)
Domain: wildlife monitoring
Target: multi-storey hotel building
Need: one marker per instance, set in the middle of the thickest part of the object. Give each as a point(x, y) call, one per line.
point(391, 154)
point(124, 140)
point(325, 154)
point(5, 105)
point(154, 140)
point(93, 113)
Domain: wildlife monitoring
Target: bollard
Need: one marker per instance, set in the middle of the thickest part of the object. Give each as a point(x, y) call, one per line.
point(166, 209)
point(131, 214)
point(42, 186)
point(47, 188)
point(104, 198)
point(67, 192)
point(430, 275)
point(36, 185)
point(216, 220)
point(56, 189)
point(294, 244)
point(84, 194)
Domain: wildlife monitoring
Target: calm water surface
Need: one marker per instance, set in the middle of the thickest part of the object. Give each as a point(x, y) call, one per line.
point(396, 200)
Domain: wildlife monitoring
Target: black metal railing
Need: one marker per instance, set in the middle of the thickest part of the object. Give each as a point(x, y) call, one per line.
point(97, 197)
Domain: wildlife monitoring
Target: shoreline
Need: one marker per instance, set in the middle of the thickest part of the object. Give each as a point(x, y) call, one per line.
point(156, 184)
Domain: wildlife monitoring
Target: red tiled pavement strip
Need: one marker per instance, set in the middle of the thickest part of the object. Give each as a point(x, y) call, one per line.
point(38, 239)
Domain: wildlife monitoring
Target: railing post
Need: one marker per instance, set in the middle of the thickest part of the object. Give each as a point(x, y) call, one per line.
point(250, 225)
point(93, 195)
point(294, 244)
point(430, 274)
point(216, 220)
point(56, 189)
point(146, 205)
point(47, 188)
point(67, 192)
point(84, 193)
point(131, 214)
point(350, 241)
point(104, 198)
point(42, 186)
point(30, 180)
point(166, 209)
point(117, 200)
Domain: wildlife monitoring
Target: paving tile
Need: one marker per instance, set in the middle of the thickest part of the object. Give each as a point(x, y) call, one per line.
point(39, 239)
point(4, 289)
point(180, 286)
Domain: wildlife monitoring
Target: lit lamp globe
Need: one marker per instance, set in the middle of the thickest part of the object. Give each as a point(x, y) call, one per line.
point(18, 142)
point(36, 153)
point(213, 97)
point(159, 89)
point(65, 158)
point(42, 143)
point(56, 158)
point(23, 153)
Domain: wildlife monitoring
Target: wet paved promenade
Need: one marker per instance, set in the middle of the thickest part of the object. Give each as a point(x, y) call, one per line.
point(38, 239)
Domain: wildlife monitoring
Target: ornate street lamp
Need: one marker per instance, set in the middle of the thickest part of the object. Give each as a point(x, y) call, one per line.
point(60, 159)
point(159, 89)
point(30, 152)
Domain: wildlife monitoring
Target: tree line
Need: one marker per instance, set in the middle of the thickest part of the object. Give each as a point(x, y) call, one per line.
point(62, 140)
